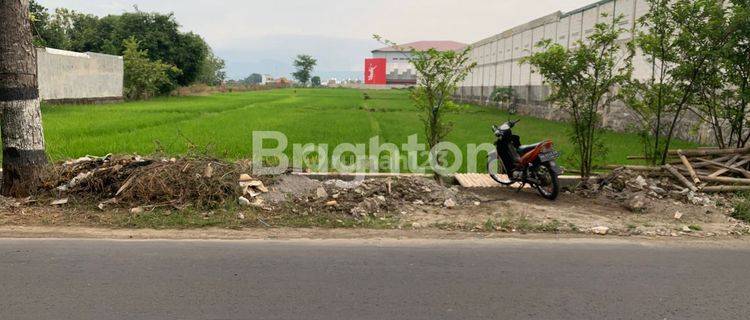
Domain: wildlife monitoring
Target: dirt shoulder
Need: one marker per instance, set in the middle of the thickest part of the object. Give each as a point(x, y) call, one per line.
point(359, 236)
point(130, 195)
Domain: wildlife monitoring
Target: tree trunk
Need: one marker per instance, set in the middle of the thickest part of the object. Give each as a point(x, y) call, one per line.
point(21, 122)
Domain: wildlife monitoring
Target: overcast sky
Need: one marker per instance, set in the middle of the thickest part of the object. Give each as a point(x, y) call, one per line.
point(263, 36)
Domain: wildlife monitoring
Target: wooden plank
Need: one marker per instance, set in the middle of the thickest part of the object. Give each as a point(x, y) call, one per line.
point(725, 188)
point(633, 167)
point(723, 158)
point(680, 177)
point(709, 152)
point(726, 180)
point(689, 167)
point(731, 166)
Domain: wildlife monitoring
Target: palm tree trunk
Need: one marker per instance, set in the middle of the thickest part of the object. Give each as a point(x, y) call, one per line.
point(21, 122)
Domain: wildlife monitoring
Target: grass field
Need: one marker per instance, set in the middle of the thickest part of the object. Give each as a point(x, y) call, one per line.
point(224, 124)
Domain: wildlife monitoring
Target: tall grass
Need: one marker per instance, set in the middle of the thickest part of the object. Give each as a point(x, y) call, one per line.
point(224, 124)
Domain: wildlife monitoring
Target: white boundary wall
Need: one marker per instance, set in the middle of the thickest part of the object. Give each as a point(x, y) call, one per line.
point(74, 76)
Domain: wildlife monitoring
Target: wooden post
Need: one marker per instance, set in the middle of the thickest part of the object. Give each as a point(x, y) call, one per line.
point(680, 177)
point(690, 169)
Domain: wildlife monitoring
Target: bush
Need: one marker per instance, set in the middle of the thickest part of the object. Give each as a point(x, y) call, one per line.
point(742, 208)
point(144, 78)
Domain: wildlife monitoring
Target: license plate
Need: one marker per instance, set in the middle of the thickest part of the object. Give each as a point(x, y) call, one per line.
point(549, 156)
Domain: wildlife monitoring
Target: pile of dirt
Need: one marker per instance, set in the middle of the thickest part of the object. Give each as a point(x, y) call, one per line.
point(636, 190)
point(371, 197)
point(133, 181)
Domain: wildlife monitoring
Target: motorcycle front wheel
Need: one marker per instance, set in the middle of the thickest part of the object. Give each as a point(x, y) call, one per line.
point(549, 184)
point(496, 169)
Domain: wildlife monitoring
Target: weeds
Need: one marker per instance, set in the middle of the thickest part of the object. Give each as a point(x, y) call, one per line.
point(742, 208)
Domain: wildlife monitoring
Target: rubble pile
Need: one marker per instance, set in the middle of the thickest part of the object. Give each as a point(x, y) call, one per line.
point(376, 197)
point(636, 189)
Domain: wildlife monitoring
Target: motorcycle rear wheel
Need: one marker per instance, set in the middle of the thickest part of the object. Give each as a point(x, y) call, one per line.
point(551, 188)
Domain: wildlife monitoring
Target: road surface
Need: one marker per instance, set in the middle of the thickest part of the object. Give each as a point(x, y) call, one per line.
point(506, 279)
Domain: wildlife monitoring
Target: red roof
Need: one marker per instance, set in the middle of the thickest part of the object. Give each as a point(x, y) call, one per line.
point(424, 46)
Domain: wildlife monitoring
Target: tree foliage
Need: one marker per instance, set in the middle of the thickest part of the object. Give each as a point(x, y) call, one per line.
point(212, 70)
point(582, 79)
point(304, 65)
point(722, 96)
point(143, 77)
point(438, 75)
point(315, 81)
point(255, 78)
point(158, 34)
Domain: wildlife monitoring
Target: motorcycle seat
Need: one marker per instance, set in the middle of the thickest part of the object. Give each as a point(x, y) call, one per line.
point(526, 148)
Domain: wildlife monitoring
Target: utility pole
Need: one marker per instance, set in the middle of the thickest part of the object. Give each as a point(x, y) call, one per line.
point(24, 157)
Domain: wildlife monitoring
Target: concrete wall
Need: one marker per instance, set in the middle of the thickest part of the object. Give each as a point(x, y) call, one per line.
point(399, 68)
point(66, 76)
point(498, 56)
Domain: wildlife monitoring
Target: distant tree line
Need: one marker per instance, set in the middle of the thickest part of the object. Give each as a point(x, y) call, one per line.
point(153, 36)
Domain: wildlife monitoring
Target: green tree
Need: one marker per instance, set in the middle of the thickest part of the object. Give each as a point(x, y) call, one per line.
point(681, 40)
point(505, 97)
point(159, 34)
point(315, 81)
point(254, 78)
point(439, 74)
point(721, 99)
point(46, 34)
point(143, 77)
point(582, 82)
point(212, 71)
point(304, 65)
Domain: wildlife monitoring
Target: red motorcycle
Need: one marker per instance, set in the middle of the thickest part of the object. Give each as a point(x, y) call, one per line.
point(534, 164)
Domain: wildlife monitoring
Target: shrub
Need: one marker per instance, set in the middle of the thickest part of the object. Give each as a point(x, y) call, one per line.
point(742, 208)
point(144, 78)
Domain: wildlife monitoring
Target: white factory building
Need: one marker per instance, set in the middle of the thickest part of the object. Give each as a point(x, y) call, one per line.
point(498, 57)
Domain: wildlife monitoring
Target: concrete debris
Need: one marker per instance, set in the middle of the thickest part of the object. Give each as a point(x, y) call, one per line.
point(640, 182)
point(243, 201)
point(449, 203)
point(103, 205)
point(600, 230)
point(59, 202)
point(637, 189)
point(321, 193)
point(678, 215)
point(209, 171)
point(251, 187)
point(636, 203)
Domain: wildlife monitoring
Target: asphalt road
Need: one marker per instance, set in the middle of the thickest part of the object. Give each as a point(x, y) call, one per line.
point(99, 279)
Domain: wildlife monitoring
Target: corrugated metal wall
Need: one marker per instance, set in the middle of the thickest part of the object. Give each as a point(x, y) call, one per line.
point(498, 56)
